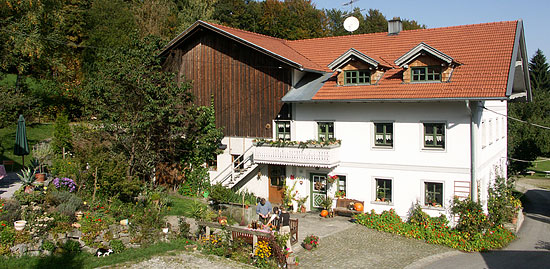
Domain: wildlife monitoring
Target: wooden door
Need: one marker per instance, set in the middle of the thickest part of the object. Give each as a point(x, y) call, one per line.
point(318, 189)
point(277, 178)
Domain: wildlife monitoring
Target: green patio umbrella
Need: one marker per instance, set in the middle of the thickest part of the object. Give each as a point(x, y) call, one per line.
point(21, 144)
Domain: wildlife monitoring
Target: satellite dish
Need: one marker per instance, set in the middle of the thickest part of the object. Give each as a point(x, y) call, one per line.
point(351, 24)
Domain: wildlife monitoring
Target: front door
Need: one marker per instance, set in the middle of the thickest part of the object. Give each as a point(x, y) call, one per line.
point(277, 178)
point(318, 189)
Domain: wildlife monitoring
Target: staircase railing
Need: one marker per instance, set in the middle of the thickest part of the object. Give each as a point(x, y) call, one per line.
point(241, 161)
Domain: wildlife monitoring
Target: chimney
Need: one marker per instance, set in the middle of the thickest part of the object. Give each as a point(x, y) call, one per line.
point(395, 26)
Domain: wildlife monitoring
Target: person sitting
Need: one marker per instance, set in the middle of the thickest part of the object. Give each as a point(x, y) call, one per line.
point(263, 209)
point(275, 219)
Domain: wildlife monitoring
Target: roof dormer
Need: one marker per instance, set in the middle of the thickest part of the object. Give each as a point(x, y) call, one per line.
point(356, 68)
point(424, 63)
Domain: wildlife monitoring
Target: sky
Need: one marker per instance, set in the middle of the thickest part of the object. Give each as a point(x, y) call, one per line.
point(439, 13)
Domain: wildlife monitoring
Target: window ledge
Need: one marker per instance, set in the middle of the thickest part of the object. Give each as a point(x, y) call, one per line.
point(429, 81)
point(381, 203)
point(436, 208)
point(433, 149)
point(382, 147)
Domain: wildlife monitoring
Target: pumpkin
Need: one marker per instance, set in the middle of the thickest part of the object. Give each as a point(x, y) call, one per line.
point(324, 213)
point(358, 207)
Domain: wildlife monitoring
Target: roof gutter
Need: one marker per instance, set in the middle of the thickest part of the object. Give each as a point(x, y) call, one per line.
point(400, 100)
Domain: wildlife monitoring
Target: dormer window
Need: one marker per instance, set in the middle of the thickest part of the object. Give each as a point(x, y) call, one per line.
point(356, 77)
point(425, 73)
point(426, 64)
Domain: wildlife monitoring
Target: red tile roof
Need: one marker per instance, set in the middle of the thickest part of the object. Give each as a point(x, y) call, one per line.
point(484, 51)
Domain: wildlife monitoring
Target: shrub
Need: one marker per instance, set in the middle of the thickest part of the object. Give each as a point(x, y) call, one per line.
point(499, 205)
point(196, 182)
point(62, 137)
point(71, 246)
point(435, 230)
point(222, 194)
point(7, 234)
point(472, 220)
point(117, 246)
point(48, 245)
point(10, 211)
point(24, 198)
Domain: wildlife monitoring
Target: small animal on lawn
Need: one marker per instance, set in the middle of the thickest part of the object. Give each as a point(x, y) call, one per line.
point(102, 252)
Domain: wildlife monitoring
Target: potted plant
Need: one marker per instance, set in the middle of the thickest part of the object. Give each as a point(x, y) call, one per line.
point(326, 203)
point(27, 179)
point(311, 242)
point(37, 167)
point(340, 194)
point(42, 154)
point(301, 202)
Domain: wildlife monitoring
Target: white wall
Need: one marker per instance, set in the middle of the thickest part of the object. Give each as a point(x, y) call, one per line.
point(492, 149)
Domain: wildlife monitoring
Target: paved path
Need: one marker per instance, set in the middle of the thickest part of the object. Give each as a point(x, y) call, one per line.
point(530, 250)
point(9, 185)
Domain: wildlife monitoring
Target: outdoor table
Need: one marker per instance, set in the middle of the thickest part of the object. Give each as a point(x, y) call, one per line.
point(3, 173)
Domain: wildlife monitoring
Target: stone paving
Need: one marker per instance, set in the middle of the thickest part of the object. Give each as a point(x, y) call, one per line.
point(8, 185)
point(361, 247)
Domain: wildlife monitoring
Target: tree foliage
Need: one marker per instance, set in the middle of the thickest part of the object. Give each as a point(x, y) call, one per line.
point(526, 142)
point(148, 115)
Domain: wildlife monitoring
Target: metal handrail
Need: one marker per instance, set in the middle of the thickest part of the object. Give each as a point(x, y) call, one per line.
point(232, 165)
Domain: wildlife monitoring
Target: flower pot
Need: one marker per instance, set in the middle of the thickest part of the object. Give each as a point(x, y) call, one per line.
point(165, 230)
point(40, 177)
point(303, 209)
point(29, 189)
point(78, 215)
point(19, 225)
point(124, 222)
point(308, 246)
point(514, 220)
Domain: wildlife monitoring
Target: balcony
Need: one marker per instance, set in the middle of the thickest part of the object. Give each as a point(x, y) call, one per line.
point(294, 155)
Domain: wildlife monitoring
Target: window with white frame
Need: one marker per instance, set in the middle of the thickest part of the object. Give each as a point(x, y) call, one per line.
point(433, 194)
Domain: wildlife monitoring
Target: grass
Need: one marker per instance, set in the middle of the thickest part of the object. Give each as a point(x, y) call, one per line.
point(87, 260)
point(180, 205)
point(35, 134)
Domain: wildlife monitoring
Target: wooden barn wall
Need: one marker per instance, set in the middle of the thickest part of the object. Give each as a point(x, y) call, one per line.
point(247, 85)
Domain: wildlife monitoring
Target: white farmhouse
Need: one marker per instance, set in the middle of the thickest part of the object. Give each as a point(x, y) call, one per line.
point(406, 117)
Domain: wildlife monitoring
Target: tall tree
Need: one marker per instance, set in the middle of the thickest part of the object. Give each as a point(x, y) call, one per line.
point(539, 72)
point(150, 117)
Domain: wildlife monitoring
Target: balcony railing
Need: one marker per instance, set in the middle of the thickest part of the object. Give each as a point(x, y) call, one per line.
point(311, 156)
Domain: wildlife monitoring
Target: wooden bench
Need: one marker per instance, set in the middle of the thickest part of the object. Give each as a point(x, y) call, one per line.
point(343, 207)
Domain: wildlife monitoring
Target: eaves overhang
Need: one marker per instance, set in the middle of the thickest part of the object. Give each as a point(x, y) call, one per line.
point(181, 37)
point(418, 50)
point(518, 74)
point(349, 55)
point(399, 100)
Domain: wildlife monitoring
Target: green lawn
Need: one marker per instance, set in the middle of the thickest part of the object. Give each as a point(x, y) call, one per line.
point(35, 134)
point(87, 260)
point(180, 205)
point(539, 167)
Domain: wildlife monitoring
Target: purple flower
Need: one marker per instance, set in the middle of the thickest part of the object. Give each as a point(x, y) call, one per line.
point(66, 183)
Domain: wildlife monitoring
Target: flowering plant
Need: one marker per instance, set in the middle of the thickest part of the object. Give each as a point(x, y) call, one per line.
point(64, 183)
point(332, 179)
point(311, 240)
point(340, 193)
